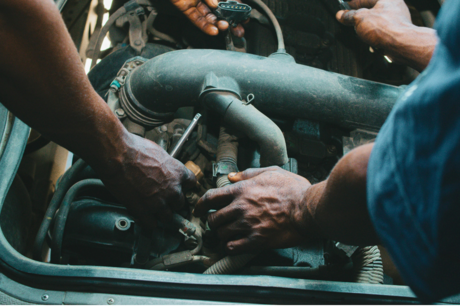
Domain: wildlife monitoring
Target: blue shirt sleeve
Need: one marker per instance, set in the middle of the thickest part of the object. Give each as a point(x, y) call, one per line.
point(413, 182)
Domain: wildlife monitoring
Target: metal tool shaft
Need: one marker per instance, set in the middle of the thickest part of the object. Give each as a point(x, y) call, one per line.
point(175, 151)
point(344, 5)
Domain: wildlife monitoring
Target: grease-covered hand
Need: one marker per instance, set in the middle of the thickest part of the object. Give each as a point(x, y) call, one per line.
point(387, 25)
point(199, 13)
point(375, 20)
point(264, 208)
point(148, 181)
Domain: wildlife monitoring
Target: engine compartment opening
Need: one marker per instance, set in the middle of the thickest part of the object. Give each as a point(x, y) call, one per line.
point(301, 111)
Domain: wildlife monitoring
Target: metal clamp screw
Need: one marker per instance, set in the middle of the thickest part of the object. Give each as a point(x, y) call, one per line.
point(45, 297)
point(110, 301)
point(331, 149)
point(249, 99)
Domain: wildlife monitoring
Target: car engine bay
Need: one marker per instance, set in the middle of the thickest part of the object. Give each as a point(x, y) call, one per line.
point(299, 91)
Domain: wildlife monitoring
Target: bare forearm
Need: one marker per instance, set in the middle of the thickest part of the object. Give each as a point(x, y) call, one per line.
point(42, 81)
point(336, 208)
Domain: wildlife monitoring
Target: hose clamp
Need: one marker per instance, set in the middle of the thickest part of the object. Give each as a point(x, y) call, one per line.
point(223, 168)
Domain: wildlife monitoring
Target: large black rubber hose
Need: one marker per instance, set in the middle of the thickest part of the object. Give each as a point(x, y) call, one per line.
point(67, 180)
point(280, 87)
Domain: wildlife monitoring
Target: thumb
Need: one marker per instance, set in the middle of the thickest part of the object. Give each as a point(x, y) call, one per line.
point(250, 173)
point(346, 17)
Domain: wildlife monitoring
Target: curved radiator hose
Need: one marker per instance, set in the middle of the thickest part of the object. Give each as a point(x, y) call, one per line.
point(229, 264)
point(369, 266)
point(246, 119)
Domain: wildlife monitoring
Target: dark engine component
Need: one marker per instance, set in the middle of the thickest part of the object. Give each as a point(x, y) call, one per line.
point(103, 233)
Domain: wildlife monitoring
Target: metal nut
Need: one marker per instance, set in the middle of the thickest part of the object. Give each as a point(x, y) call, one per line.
point(120, 112)
point(45, 297)
point(110, 301)
point(123, 224)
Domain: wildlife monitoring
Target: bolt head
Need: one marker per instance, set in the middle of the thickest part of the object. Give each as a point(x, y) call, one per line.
point(120, 112)
point(331, 149)
point(45, 297)
point(110, 301)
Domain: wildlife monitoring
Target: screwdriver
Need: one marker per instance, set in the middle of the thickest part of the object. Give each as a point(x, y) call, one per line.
point(176, 149)
point(344, 5)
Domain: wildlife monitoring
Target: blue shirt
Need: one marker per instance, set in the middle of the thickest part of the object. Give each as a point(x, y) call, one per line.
point(413, 178)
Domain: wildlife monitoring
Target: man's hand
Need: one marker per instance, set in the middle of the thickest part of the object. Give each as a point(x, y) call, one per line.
point(147, 180)
point(200, 15)
point(61, 104)
point(387, 24)
point(376, 20)
point(273, 208)
point(264, 208)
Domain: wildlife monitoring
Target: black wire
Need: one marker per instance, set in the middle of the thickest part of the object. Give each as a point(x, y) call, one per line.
point(61, 217)
point(68, 179)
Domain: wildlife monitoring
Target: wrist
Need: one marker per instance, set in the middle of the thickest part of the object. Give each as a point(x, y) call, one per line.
point(106, 142)
point(304, 214)
point(111, 156)
point(410, 45)
point(394, 36)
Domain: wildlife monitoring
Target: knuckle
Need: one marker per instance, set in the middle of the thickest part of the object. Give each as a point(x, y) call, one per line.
point(207, 196)
point(256, 238)
point(245, 224)
point(360, 14)
point(246, 173)
point(239, 210)
point(238, 188)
